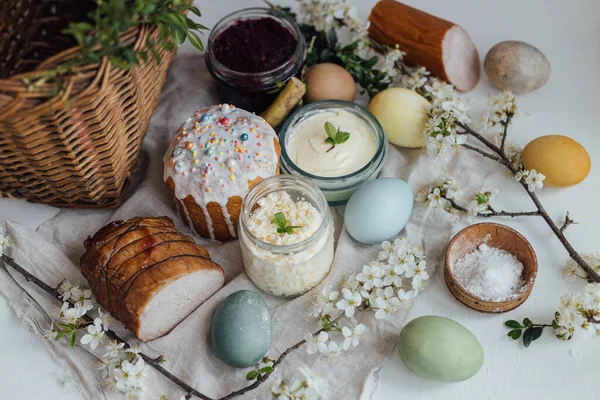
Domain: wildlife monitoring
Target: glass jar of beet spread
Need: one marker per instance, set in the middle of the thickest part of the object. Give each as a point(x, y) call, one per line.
point(252, 50)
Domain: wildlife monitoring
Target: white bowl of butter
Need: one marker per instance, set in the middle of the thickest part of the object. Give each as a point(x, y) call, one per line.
point(337, 145)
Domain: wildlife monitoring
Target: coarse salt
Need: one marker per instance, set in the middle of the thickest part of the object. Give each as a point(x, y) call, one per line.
point(489, 273)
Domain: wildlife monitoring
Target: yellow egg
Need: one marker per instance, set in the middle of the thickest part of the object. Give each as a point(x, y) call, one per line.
point(329, 82)
point(561, 159)
point(402, 113)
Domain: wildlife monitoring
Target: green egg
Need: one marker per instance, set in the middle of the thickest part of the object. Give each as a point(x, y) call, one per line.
point(440, 349)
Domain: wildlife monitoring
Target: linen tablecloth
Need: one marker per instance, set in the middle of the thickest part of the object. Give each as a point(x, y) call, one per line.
point(52, 253)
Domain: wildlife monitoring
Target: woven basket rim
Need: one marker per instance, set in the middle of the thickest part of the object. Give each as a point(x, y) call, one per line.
point(8, 84)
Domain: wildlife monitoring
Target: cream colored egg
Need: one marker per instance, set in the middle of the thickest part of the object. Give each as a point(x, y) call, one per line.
point(561, 159)
point(402, 113)
point(329, 81)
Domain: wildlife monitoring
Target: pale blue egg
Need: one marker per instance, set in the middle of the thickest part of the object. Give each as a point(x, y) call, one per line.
point(241, 329)
point(379, 210)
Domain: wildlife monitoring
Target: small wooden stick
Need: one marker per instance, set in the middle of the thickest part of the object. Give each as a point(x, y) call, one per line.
point(285, 102)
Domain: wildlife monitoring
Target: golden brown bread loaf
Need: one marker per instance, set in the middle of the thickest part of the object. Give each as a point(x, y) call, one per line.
point(148, 275)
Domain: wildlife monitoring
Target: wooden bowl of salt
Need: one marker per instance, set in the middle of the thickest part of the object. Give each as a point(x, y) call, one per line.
point(490, 267)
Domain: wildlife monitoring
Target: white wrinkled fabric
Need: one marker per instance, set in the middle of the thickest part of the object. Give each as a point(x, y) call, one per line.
point(53, 254)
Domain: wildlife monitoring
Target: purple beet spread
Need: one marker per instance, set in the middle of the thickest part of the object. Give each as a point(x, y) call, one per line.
point(254, 45)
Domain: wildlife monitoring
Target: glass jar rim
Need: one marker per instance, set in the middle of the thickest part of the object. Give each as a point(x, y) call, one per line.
point(278, 182)
point(255, 11)
point(365, 114)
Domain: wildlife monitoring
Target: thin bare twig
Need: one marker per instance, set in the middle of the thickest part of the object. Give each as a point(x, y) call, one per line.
point(505, 133)
point(482, 152)
point(494, 213)
point(568, 221)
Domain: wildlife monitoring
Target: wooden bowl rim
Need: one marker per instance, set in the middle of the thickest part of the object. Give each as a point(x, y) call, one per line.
point(502, 306)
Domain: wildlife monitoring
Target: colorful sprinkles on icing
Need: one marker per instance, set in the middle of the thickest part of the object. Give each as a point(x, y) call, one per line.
point(239, 143)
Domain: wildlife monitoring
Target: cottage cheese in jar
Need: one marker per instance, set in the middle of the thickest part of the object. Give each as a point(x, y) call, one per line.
point(286, 236)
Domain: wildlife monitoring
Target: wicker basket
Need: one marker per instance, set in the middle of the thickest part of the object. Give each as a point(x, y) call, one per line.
point(76, 149)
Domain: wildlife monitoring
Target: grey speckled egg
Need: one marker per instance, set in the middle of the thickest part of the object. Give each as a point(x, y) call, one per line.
point(241, 329)
point(516, 66)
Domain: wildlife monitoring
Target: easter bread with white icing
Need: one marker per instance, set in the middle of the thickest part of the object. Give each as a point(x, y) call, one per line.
point(214, 159)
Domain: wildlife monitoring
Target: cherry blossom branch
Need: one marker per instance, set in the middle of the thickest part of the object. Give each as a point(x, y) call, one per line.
point(157, 361)
point(503, 159)
point(154, 362)
point(493, 213)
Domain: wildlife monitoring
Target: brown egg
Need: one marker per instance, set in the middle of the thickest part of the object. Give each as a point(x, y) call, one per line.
point(329, 82)
point(561, 159)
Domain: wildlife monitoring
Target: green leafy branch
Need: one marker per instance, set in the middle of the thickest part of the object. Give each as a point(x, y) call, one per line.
point(281, 221)
point(101, 35)
point(325, 47)
point(335, 136)
point(528, 330)
point(266, 368)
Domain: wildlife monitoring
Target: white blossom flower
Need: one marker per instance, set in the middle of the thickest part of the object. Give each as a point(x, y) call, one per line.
point(371, 276)
point(352, 335)
point(350, 282)
point(314, 382)
point(386, 307)
point(579, 313)
point(388, 250)
point(405, 295)
point(503, 106)
point(113, 348)
point(389, 61)
point(95, 334)
point(130, 376)
point(451, 187)
point(573, 271)
point(435, 199)
point(418, 274)
point(71, 314)
point(416, 80)
point(534, 180)
point(333, 350)
point(82, 298)
point(394, 274)
point(65, 289)
point(324, 301)
point(316, 342)
point(105, 319)
point(350, 301)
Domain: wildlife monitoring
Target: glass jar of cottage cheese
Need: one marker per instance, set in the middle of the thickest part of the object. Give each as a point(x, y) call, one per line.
point(286, 236)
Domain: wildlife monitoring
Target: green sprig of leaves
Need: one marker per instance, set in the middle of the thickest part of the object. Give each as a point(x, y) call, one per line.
point(528, 330)
point(326, 48)
point(335, 136)
point(281, 221)
point(66, 330)
point(101, 34)
point(265, 370)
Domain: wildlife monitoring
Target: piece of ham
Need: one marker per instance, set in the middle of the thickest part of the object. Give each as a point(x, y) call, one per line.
point(148, 275)
point(444, 48)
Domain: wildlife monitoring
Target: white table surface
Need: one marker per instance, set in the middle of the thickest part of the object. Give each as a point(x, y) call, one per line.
point(568, 33)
